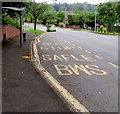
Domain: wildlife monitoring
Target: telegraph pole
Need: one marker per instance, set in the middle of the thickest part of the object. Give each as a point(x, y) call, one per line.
point(65, 16)
point(52, 13)
point(95, 17)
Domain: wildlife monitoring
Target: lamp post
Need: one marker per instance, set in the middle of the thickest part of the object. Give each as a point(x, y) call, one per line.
point(95, 17)
point(65, 16)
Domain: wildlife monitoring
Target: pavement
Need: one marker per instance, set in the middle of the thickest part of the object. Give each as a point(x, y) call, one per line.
point(85, 64)
point(23, 89)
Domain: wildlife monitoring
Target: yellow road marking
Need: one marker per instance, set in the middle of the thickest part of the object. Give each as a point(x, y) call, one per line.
point(113, 65)
point(73, 103)
point(59, 48)
point(25, 57)
point(66, 47)
point(79, 47)
point(98, 57)
point(48, 44)
point(56, 44)
point(51, 44)
point(44, 44)
point(53, 48)
point(88, 51)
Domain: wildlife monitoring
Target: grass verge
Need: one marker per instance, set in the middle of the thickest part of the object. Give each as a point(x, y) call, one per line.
point(108, 33)
point(34, 31)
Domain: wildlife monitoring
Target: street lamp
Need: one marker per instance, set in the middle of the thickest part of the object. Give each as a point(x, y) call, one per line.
point(52, 11)
point(95, 17)
point(65, 15)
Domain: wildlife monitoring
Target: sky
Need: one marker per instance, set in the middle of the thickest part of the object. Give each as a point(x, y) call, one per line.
point(73, 1)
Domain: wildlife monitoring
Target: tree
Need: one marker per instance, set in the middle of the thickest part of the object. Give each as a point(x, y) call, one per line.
point(36, 9)
point(75, 9)
point(61, 16)
point(118, 11)
point(90, 19)
point(46, 17)
point(107, 14)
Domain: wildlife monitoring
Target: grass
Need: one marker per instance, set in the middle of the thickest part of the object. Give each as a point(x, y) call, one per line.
point(34, 31)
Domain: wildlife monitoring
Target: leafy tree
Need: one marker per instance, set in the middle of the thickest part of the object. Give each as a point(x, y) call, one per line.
point(36, 9)
point(75, 9)
point(118, 11)
point(61, 16)
point(90, 19)
point(46, 17)
point(70, 20)
point(107, 13)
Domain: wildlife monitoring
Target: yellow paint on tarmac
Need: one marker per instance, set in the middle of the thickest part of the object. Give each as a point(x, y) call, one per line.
point(98, 57)
point(66, 48)
point(59, 48)
point(51, 44)
point(25, 57)
point(64, 70)
point(79, 47)
point(88, 51)
point(87, 58)
point(48, 44)
point(73, 103)
point(113, 65)
point(56, 44)
point(44, 44)
point(52, 47)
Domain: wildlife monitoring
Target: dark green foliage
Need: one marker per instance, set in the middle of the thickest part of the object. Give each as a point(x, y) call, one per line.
point(101, 28)
point(107, 14)
point(6, 19)
point(70, 20)
point(61, 16)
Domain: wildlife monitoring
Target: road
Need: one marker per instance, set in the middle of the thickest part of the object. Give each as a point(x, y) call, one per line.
point(85, 63)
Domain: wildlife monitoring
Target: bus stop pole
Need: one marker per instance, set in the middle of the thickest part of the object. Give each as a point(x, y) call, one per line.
point(20, 30)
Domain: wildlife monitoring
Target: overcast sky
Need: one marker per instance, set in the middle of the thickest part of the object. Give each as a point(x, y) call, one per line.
point(73, 1)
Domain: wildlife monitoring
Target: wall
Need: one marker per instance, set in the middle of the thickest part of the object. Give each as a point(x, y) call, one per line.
point(10, 31)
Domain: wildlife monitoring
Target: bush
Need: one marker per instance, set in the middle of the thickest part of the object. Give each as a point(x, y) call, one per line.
point(101, 28)
point(105, 29)
point(70, 20)
point(8, 20)
point(98, 29)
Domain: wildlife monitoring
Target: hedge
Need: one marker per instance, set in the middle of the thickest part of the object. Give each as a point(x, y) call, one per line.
point(6, 19)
